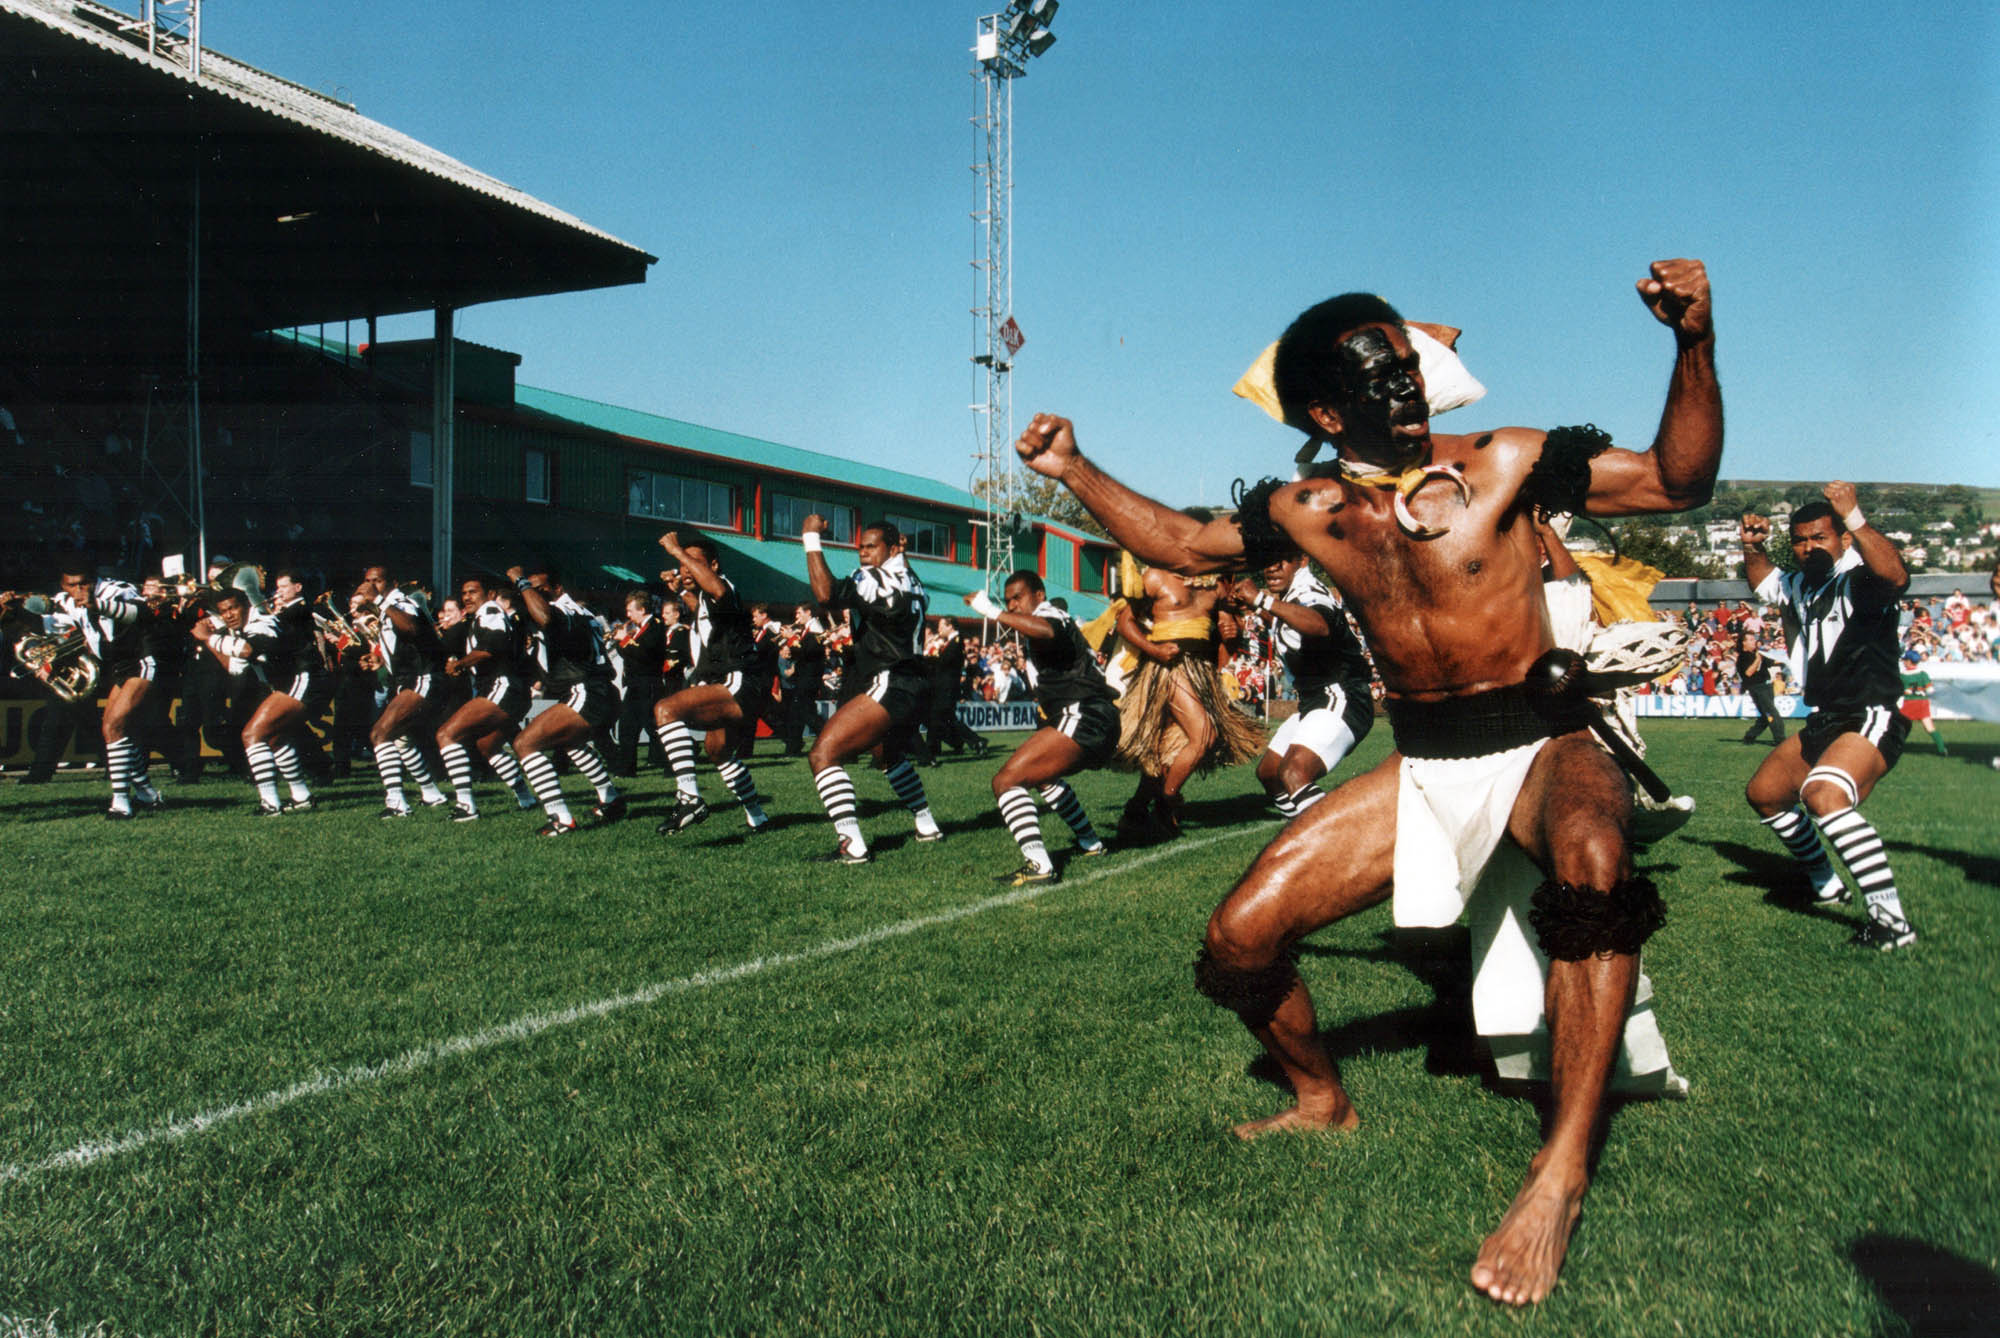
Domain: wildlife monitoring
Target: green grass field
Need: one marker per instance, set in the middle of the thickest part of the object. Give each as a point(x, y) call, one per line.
point(325, 1075)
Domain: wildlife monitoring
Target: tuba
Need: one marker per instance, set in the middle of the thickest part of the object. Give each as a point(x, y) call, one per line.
point(61, 660)
point(246, 578)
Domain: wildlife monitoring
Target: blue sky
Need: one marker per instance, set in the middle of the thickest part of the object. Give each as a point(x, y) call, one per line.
point(1187, 178)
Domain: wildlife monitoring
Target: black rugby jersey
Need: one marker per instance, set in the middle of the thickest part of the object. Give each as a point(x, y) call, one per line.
point(409, 655)
point(1842, 633)
point(719, 640)
point(498, 633)
point(295, 648)
point(111, 625)
point(888, 604)
point(1061, 668)
point(1317, 663)
point(569, 648)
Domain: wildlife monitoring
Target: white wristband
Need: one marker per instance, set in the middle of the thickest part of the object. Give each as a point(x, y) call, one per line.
point(1854, 520)
point(811, 541)
point(983, 605)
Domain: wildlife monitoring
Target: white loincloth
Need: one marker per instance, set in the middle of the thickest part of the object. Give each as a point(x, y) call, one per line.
point(1451, 860)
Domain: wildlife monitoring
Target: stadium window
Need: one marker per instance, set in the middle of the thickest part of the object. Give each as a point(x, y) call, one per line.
point(536, 467)
point(671, 497)
point(788, 517)
point(420, 459)
point(1092, 564)
point(925, 538)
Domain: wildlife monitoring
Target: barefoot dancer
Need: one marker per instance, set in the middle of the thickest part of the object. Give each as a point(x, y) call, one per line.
point(1176, 718)
point(1427, 537)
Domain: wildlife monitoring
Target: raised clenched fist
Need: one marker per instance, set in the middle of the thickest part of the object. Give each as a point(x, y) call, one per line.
point(1048, 445)
point(1677, 294)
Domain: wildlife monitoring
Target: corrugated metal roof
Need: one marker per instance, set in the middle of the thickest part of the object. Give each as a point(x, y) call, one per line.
point(265, 92)
point(686, 436)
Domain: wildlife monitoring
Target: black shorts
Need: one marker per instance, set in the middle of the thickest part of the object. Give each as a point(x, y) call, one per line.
point(118, 671)
point(1882, 726)
point(740, 686)
point(595, 699)
point(297, 685)
point(1092, 725)
point(428, 684)
point(906, 697)
point(508, 692)
point(1351, 700)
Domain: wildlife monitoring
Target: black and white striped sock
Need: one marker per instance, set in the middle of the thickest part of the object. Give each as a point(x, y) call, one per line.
point(1017, 810)
point(678, 744)
point(287, 758)
point(909, 787)
point(118, 762)
point(263, 772)
point(737, 777)
point(1059, 796)
point(1301, 799)
point(541, 774)
point(836, 791)
point(458, 767)
point(389, 764)
point(1860, 848)
point(419, 771)
point(508, 769)
point(587, 760)
point(1794, 827)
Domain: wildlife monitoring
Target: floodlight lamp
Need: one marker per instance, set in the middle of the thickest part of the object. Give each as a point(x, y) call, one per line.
point(1019, 26)
point(1043, 11)
point(1042, 40)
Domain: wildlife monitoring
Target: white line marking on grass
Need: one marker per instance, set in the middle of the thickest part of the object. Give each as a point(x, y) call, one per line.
point(529, 1025)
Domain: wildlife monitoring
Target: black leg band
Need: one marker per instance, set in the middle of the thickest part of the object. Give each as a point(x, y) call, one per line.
point(1253, 995)
point(1573, 922)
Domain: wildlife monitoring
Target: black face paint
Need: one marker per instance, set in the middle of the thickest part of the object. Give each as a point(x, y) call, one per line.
point(1380, 386)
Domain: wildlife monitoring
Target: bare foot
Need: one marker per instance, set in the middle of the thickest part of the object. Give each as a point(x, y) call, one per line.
point(1518, 1263)
point(1303, 1118)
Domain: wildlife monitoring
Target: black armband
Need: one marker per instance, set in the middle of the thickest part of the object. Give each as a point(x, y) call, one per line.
point(1253, 995)
point(1573, 922)
point(1560, 480)
point(1263, 542)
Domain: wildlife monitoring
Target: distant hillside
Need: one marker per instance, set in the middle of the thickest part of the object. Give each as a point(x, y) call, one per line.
point(1988, 498)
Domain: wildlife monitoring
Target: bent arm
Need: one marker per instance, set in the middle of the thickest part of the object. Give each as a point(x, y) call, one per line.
point(1881, 557)
point(1301, 618)
point(1678, 471)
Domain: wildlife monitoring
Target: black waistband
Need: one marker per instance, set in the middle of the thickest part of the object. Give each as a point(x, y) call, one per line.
point(1473, 726)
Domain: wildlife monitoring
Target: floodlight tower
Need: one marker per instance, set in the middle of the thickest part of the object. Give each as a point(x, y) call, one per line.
point(1004, 45)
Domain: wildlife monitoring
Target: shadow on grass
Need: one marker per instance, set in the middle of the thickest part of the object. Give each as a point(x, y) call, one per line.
point(1933, 1291)
point(1977, 868)
point(1442, 960)
point(1777, 875)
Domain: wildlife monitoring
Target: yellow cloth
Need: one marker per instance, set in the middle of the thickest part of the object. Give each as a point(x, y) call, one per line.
point(1199, 627)
point(1619, 588)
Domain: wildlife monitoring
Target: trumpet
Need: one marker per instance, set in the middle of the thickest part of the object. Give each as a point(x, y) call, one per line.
point(337, 632)
point(61, 660)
